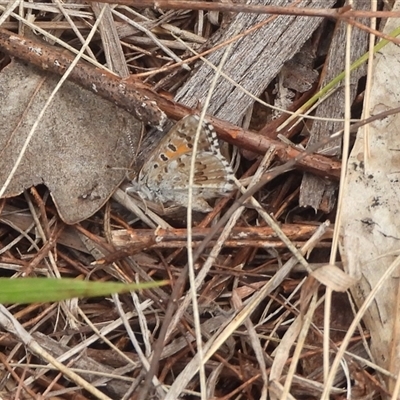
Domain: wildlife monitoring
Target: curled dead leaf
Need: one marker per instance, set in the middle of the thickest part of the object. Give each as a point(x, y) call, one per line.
point(334, 278)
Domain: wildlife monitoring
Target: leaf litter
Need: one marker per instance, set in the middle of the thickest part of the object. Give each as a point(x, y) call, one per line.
point(259, 307)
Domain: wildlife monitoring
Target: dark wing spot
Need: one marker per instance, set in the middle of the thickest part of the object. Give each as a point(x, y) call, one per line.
point(200, 166)
point(200, 178)
point(163, 157)
point(172, 147)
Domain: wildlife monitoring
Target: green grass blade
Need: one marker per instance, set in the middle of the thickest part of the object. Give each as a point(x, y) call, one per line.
point(40, 290)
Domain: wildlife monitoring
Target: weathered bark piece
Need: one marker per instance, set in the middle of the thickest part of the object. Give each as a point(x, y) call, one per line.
point(111, 44)
point(315, 192)
point(254, 60)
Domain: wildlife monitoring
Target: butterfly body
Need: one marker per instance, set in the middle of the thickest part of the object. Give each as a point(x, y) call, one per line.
point(164, 177)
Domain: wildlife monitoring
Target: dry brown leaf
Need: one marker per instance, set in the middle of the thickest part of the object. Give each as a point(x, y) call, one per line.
point(370, 226)
point(81, 149)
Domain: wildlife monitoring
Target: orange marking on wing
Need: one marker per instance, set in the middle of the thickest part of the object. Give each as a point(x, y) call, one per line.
point(182, 149)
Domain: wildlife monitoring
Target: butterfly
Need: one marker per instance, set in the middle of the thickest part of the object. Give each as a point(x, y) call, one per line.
point(164, 177)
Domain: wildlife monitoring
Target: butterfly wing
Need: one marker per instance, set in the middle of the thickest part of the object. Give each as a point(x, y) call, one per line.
point(165, 176)
point(212, 178)
point(213, 175)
